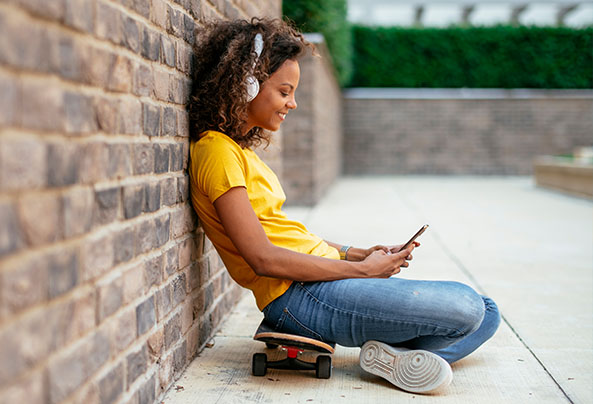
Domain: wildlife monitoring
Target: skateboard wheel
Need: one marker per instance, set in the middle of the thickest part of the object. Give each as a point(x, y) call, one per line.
point(259, 364)
point(323, 367)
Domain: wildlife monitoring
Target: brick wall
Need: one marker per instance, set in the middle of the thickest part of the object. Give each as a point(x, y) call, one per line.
point(108, 286)
point(312, 139)
point(397, 131)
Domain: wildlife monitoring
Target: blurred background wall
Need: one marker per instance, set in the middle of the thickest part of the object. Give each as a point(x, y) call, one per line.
point(443, 87)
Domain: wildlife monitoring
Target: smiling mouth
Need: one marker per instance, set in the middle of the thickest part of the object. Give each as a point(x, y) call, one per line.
point(282, 116)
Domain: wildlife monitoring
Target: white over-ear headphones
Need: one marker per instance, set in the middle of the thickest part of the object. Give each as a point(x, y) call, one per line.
point(252, 83)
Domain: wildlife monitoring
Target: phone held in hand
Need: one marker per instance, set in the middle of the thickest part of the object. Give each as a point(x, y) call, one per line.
point(414, 237)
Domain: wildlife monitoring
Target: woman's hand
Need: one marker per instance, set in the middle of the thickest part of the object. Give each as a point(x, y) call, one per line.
point(381, 264)
point(391, 249)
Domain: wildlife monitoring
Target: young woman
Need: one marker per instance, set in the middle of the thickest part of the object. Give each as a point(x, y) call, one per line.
point(245, 79)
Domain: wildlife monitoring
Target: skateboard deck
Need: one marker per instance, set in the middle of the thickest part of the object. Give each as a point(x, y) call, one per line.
point(294, 345)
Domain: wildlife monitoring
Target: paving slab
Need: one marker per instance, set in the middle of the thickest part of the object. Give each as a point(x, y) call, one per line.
point(529, 249)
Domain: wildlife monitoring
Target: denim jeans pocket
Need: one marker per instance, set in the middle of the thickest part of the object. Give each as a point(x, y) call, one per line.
point(288, 323)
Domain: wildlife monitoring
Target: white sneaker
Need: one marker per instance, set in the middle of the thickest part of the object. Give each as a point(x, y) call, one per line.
point(415, 371)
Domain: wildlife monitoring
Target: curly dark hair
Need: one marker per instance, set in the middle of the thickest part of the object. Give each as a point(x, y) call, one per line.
point(224, 58)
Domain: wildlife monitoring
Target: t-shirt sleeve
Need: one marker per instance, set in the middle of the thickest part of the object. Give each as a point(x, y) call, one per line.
point(218, 167)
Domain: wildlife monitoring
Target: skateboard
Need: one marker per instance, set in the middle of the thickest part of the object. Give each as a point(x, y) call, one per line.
point(294, 345)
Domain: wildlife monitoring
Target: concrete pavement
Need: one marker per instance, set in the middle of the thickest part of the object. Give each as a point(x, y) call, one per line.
point(529, 249)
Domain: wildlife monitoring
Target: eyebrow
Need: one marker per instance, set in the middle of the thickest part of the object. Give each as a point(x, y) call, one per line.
point(287, 84)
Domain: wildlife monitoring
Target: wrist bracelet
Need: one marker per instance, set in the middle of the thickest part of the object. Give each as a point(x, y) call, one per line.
point(344, 252)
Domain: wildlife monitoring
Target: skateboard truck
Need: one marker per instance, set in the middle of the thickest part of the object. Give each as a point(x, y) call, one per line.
point(293, 345)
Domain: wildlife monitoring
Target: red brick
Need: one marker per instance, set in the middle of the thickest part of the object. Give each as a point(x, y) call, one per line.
point(141, 7)
point(175, 24)
point(23, 283)
point(163, 302)
point(120, 162)
point(184, 57)
point(133, 282)
point(166, 372)
point(136, 364)
point(63, 162)
point(131, 34)
point(143, 80)
point(109, 22)
point(80, 14)
point(93, 162)
point(69, 57)
point(22, 42)
point(22, 345)
point(187, 318)
point(171, 257)
point(106, 110)
point(11, 236)
point(63, 271)
point(161, 84)
point(23, 162)
point(80, 117)
point(72, 367)
point(155, 344)
point(78, 211)
point(40, 218)
point(159, 13)
point(147, 392)
point(122, 331)
point(153, 271)
point(151, 43)
point(80, 319)
point(186, 248)
point(182, 123)
point(97, 256)
point(123, 245)
point(121, 75)
point(30, 390)
point(10, 100)
point(129, 116)
point(53, 10)
point(107, 205)
point(193, 337)
point(168, 50)
point(182, 221)
point(180, 358)
point(195, 8)
point(111, 386)
point(145, 315)
point(45, 105)
point(179, 89)
point(143, 158)
point(109, 297)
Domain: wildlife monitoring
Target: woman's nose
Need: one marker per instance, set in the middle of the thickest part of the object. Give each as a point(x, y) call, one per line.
point(291, 103)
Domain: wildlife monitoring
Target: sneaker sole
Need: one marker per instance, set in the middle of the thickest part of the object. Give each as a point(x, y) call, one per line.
point(415, 371)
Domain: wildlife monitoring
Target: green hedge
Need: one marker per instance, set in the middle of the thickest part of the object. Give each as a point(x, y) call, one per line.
point(486, 57)
point(329, 18)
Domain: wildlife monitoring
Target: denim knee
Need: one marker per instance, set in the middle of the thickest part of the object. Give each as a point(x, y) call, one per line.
point(467, 308)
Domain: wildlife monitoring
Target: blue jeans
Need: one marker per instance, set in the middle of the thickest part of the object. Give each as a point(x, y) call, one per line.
point(447, 318)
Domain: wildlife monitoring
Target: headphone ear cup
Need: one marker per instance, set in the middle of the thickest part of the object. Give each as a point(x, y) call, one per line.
point(252, 88)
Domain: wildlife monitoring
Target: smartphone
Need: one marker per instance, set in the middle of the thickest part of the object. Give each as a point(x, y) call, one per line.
point(414, 237)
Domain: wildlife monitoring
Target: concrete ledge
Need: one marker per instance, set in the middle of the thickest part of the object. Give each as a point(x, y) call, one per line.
point(463, 93)
point(564, 174)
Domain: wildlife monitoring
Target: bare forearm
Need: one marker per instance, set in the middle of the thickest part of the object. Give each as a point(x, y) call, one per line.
point(354, 253)
point(286, 264)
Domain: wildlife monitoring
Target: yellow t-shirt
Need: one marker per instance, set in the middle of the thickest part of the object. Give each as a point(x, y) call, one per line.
point(218, 164)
